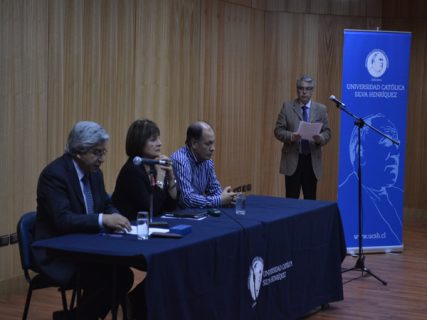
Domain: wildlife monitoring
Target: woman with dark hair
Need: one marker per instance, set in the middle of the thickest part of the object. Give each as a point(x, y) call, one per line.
point(135, 182)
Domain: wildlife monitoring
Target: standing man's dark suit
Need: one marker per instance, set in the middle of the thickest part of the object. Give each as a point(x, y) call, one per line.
point(63, 207)
point(301, 170)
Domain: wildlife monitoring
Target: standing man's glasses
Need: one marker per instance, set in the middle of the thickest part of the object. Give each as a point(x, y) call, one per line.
point(305, 88)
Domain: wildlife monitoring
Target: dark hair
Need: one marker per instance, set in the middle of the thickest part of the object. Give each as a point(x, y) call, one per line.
point(84, 136)
point(195, 131)
point(138, 134)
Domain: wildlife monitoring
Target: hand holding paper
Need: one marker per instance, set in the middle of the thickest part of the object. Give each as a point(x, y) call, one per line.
point(307, 129)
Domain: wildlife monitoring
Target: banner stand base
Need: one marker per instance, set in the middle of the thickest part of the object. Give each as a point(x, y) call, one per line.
point(381, 249)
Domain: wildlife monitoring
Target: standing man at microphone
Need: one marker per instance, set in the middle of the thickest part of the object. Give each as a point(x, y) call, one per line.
point(301, 160)
point(195, 172)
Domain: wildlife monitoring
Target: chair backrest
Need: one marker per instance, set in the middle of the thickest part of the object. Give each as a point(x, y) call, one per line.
point(25, 231)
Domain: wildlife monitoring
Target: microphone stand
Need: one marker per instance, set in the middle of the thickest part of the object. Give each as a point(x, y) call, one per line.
point(152, 185)
point(359, 122)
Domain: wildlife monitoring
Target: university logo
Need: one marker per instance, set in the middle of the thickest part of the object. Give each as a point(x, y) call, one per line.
point(376, 63)
point(256, 270)
point(258, 277)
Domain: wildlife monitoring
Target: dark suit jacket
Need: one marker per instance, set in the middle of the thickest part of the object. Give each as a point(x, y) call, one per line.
point(287, 123)
point(132, 192)
point(61, 210)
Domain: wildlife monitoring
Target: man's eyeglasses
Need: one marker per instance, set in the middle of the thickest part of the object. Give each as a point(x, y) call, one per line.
point(305, 88)
point(98, 152)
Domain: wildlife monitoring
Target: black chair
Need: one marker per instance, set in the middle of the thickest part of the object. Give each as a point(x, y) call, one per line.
point(25, 230)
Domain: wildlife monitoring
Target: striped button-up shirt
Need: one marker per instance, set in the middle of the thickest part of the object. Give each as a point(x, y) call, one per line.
point(197, 182)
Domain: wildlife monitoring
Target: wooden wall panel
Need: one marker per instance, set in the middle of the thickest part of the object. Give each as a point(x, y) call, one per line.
point(404, 9)
point(416, 132)
point(246, 3)
point(116, 61)
point(411, 16)
point(23, 96)
point(167, 62)
point(232, 88)
point(92, 77)
point(55, 117)
point(115, 76)
point(279, 85)
point(358, 8)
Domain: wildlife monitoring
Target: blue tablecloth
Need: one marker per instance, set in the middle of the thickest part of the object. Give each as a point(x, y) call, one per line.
point(278, 261)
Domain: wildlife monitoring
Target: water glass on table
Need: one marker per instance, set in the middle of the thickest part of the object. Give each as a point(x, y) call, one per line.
point(241, 204)
point(142, 225)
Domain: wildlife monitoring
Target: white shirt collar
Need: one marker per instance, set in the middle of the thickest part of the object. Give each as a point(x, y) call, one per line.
point(80, 172)
point(308, 105)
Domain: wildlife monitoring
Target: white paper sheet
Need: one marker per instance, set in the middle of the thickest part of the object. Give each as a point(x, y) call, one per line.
point(151, 230)
point(307, 129)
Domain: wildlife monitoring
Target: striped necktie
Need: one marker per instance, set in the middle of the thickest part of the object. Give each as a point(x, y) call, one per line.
point(88, 193)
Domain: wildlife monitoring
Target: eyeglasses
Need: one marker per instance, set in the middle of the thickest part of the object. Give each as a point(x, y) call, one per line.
point(305, 88)
point(98, 152)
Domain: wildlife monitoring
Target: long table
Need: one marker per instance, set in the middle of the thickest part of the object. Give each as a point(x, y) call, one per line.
point(280, 260)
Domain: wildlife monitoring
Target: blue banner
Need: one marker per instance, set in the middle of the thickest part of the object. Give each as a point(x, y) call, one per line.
point(374, 88)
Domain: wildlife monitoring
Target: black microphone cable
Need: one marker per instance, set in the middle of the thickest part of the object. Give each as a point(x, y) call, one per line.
point(231, 217)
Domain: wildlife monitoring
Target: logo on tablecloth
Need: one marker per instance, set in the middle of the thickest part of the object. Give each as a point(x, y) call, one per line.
point(258, 277)
point(256, 270)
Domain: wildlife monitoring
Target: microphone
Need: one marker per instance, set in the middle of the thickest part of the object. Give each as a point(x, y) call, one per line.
point(334, 99)
point(137, 161)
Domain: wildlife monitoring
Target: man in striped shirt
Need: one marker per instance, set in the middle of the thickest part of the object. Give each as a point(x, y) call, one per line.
point(195, 173)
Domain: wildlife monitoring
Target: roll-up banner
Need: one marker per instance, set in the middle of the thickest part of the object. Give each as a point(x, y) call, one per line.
point(374, 88)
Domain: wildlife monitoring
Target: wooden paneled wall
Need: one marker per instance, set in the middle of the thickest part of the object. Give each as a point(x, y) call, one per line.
point(23, 116)
point(231, 63)
point(412, 16)
point(232, 59)
point(116, 61)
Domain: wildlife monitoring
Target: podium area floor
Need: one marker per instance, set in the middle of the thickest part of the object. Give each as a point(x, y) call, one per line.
point(404, 296)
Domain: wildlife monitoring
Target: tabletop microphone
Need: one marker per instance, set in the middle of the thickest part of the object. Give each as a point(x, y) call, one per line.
point(137, 161)
point(334, 99)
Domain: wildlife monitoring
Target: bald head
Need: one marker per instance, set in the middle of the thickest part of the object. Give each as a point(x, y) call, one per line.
point(195, 131)
point(201, 140)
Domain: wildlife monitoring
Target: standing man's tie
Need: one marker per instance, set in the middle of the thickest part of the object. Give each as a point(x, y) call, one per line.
point(88, 193)
point(305, 144)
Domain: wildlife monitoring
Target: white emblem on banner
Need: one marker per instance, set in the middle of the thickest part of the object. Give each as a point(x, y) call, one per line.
point(376, 63)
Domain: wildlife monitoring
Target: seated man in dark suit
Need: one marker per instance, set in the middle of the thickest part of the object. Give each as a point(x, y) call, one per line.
point(71, 197)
